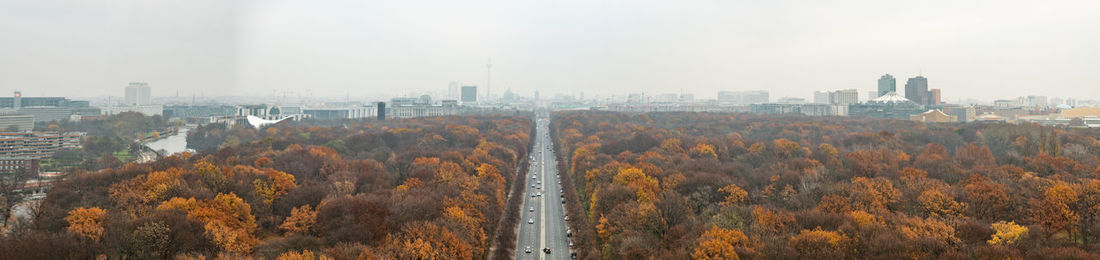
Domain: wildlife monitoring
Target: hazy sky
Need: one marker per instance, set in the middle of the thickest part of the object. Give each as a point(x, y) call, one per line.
point(979, 49)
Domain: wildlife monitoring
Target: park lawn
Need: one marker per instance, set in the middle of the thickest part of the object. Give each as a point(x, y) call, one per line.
point(125, 156)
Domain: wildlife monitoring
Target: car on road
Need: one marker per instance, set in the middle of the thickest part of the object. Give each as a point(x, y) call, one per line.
point(568, 233)
point(547, 250)
point(532, 209)
point(566, 217)
point(528, 250)
point(532, 195)
point(570, 245)
point(530, 221)
point(539, 193)
point(532, 185)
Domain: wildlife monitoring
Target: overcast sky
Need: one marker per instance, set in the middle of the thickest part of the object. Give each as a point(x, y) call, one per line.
point(969, 49)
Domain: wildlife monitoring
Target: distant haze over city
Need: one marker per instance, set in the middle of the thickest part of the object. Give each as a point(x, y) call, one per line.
point(968, 49)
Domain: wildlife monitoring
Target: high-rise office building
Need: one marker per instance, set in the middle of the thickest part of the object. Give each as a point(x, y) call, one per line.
point(137, 94)
point(916, 89)
point(934, 95)
point(469, 93)
point(887, 84)
point(452, 90)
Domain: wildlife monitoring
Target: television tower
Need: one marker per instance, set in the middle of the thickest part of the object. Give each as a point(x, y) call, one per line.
point(488, 78)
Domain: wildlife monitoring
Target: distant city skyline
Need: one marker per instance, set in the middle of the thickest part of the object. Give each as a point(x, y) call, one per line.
point(249, 48)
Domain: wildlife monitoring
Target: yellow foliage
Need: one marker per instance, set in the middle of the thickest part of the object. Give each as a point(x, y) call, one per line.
point(410, 183)
point(787, 148)
point(672, 145)
point(205, 167)
point(704, 150)
point(863, 218)
point(450, 171)
point(302, 255)
point(820, 244)
point(718, 243)
point(185, 205)
point(229, 220)
point(737, 195)
point(828, 150)
point(756, 148)
point(1006, 233)
point(644, 187)
point(604, 229)
point(87, 222)
point(158, 183)
point(279, 183)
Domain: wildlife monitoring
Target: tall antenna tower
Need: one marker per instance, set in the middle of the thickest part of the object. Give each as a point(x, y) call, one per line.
point(488, 78)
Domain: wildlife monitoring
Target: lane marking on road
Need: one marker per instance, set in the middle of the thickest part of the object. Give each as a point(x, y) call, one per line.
point(542, 202)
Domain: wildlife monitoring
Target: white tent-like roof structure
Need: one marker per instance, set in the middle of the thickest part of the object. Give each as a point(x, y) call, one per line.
point(891, 97)
point(260, 122)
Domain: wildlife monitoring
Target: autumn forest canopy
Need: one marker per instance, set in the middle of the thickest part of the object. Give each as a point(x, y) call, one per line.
point(639, 186)
point(729, 186)
point(411, 189)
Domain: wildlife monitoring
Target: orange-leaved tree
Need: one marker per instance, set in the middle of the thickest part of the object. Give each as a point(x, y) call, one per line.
point(719, 243)
point(87, 222)
point(300, 221)
point(737, 195)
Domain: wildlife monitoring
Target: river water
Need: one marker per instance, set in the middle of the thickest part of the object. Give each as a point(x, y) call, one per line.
point(172, 144)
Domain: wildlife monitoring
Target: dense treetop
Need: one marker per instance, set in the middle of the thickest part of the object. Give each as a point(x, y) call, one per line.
point(432, 188)
point(727, 186)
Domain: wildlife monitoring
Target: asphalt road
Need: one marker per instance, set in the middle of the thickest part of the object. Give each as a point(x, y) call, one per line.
point(548, 229)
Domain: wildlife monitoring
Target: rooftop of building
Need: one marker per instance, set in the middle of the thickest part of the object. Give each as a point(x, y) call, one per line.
point(989, 117)
point(891, 97)
point(1081, 112)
